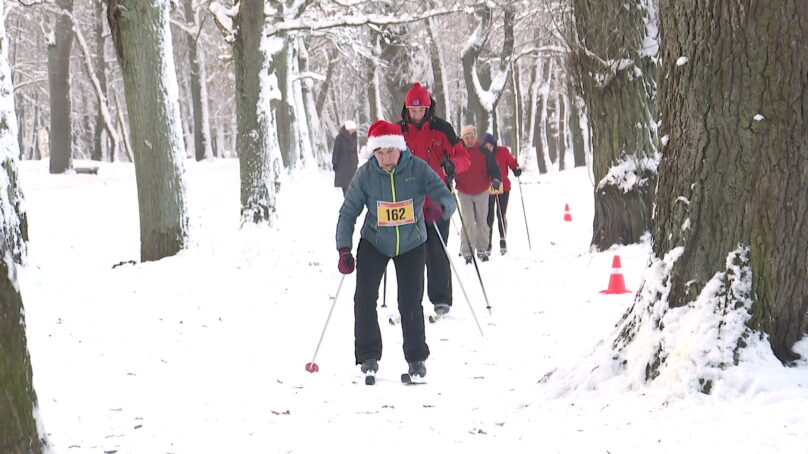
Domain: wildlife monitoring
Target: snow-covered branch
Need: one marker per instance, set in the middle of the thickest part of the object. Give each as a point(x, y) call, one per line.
point(357, 20)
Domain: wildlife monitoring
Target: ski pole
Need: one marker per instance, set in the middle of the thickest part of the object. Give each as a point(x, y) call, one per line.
point(312, 366)
point(501, 220)
point(524, 212)
point(473, 258)
point(457, 275)
point(384, 292)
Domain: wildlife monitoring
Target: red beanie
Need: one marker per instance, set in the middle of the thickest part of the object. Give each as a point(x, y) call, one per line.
point(418, 96)
point(382, 134)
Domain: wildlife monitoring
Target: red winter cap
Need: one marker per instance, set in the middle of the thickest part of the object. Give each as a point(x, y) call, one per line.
point(418, 96)
point(382, 134)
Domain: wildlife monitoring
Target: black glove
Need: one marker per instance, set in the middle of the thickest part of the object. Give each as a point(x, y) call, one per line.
point(517, 171)
point(448, 168)
point(495, 184)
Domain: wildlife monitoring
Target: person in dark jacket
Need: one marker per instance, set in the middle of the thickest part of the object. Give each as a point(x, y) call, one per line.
point(472, 189)
point(434, 140)
point(393, 186)
point(344, 159)
point(498, 200)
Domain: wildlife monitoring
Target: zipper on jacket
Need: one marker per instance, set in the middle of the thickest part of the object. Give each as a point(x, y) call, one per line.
point(393, 188)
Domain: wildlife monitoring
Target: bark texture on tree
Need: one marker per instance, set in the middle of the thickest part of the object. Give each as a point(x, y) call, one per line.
point(617, 80)
point(18, 429)
point(18, 401)
point(735, 167)
point(483, 96)
point(576, 132)
point(143, 41)
point(199, 89)
point(257, 142)
point(61, 127)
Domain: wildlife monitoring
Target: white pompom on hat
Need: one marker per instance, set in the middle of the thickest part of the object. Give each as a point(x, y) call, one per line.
point(382, 134)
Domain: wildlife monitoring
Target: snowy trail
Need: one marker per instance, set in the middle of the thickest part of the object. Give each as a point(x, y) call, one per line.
point(205, 352)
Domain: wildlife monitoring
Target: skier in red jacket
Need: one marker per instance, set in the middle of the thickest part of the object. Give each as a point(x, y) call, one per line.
point(498, 200)
point(434, 140)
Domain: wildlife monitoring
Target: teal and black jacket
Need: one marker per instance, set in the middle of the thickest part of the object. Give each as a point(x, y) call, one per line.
point(412, 179)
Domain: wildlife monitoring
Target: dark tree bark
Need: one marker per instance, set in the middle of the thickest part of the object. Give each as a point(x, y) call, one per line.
point(618, 89)
point(61, 128)
point(735, 167)
point(199, 88)
point(439, 90)
point(329, 76)
point(484, 97)
point(539, 86)
point(18, 401)
point(576, 133)
point(143, 44)
point(518, 126)
point(257, 142)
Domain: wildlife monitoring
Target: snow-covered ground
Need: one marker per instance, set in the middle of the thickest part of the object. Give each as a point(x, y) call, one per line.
point(205, 352)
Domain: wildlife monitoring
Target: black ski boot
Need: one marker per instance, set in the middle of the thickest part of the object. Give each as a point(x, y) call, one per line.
point(369, 367)
point(415, 374)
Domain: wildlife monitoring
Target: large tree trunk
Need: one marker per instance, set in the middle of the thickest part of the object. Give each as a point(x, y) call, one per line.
point(257, 142)
point(18, 401)
point(734, 170)
point(101, 74)
point(539, 90)
point(576, 132)
point(618, 88)
point(440, 90)
point(199, 88)
point(142, 40)
point(376, 110)
point(482, 101)
point(312, 118)
point(284, 107)
point(61, 128)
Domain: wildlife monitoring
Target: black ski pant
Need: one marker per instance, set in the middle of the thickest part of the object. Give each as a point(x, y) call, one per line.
point(370, 266)
point(501, 213)
point(438, 270)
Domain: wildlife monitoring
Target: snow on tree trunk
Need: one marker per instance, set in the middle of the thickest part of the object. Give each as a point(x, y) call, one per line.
point(60, 44)
point(302, 126)
point(288, 133)
point(99, 144)
point(143, 42)
point(19, 429)
point(482, 102)
point(734, 169)
point(617, 72)
point(575, 129)
point(316, 132)
point(256, 90)
point(539, 90)
point(725, 291)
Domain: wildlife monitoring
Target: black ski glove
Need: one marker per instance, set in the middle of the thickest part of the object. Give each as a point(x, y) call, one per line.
point(517, 171)
point(448, 168)
point(495, 184)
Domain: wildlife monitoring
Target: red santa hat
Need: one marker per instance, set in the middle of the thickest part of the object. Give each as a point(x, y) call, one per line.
point(418, 96)
point(382, 134)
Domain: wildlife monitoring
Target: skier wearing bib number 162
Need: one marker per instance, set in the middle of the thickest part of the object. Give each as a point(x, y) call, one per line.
point(392, 186)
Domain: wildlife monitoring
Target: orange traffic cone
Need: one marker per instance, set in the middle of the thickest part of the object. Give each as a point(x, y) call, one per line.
point(617, 285)
point(567, 215)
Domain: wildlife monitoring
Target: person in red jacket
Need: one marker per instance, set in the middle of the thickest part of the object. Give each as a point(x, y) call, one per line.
point(472, 189)
point(498, 200)
point(434, 140)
